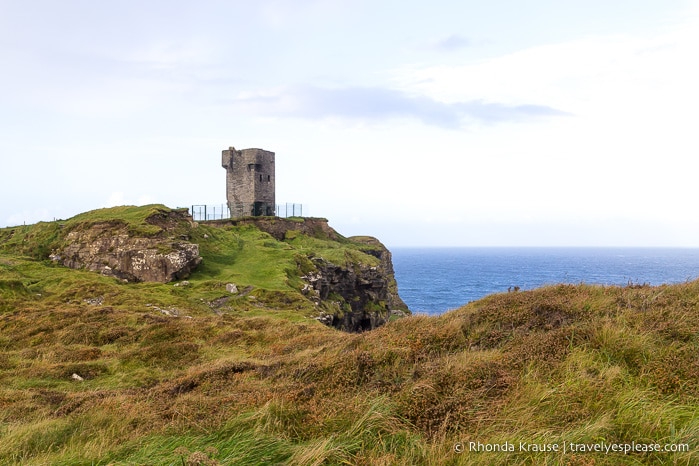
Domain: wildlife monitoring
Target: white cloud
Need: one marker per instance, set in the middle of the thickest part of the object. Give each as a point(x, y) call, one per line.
point(628, 147)
point(376, 103)
point(619, 73)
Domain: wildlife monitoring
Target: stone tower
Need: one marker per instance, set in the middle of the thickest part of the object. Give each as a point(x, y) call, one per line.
point(249, 181)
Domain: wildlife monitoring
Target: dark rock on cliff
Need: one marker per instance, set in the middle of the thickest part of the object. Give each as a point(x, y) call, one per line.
point(355, 291)
point(112, 249)
point(375, 248)
point(357, 296)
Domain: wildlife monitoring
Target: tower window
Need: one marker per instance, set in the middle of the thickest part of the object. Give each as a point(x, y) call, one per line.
point(260, 177)
point(267, 177)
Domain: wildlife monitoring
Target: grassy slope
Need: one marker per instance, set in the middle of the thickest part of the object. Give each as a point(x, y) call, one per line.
point(38, 240)
point(255, 381)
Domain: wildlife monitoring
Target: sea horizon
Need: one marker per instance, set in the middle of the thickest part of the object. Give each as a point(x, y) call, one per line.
point(436, 279)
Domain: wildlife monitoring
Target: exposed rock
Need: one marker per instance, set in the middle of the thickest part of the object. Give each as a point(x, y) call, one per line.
point(325, 318)
point(113, 250)
point(363, 295)
point(231, 288)
point(398, 314)
point(247, 290)
point(219, 303)
point(170, 312)
point(284, 228)
point(76, 377)
point(381, 252)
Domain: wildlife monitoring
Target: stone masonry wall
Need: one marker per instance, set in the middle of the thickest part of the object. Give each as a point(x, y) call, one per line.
point(250, 181)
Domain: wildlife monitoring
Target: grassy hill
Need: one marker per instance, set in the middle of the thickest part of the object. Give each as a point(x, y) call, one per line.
point(176, 375)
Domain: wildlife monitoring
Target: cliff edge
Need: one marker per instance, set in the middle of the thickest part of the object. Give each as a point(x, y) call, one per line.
point(350, 280)
point(346, 283)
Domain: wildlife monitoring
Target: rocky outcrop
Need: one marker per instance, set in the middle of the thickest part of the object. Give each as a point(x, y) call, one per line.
point(375, 248)
point(113, 249)
point(284, 228)
point(356, 297)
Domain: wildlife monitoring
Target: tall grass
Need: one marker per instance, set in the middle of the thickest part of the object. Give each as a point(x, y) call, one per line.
point(254, 380)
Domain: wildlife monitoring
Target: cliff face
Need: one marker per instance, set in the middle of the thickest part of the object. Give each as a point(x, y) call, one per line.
point(111, 249)
point(347, 283)
point(358, 296)
point(355, 292)
point(381, 252)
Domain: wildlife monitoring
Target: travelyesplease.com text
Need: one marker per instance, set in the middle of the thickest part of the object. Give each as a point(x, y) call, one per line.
point(570, 447)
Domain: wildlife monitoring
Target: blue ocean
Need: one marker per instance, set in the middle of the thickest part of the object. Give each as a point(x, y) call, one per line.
point(435, 280)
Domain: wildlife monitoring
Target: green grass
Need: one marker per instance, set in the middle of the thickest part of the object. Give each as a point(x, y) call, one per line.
point(37, 241)
point(135, 217)
point(254, 380)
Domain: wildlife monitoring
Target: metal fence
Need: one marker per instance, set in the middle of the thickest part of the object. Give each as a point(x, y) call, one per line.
point(209, 212)
point(202, 212)
point(289, 210)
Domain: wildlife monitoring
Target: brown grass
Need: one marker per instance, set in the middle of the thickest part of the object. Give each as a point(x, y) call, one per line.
point(563, 363)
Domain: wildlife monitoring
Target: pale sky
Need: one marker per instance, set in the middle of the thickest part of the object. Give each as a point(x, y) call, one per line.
point(440, 123)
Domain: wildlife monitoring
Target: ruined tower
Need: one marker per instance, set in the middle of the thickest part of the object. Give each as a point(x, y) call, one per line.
point(249, 181)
